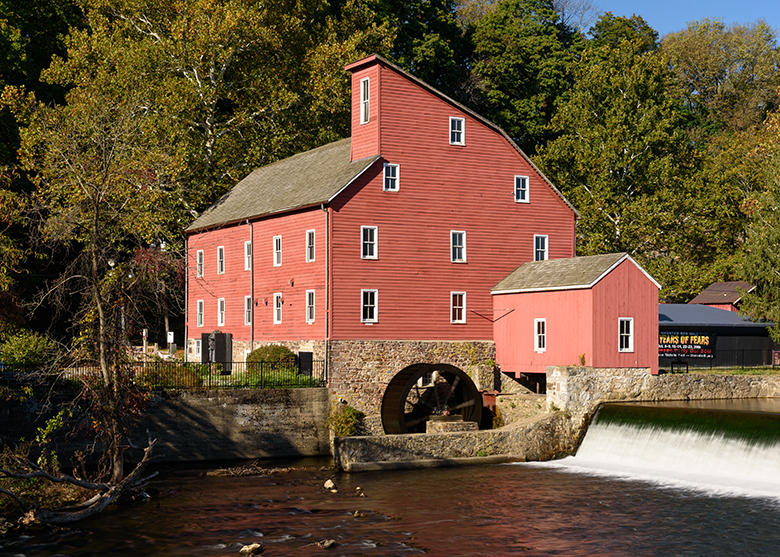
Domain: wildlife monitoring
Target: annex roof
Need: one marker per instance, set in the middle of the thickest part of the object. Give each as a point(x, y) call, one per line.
point(303, 180)
point(698, 315)
point(723, 293)
point(570, 273)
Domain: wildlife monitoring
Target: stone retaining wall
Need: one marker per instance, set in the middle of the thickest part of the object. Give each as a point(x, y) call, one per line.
point(541, 438)
point(359, 371)
point(579, 390)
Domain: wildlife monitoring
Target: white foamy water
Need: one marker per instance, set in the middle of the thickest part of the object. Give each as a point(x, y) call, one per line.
point(684, 459)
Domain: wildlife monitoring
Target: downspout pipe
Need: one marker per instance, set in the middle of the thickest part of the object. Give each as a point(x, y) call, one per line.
point(252, 285)
point(327, 289)
point(186, 298)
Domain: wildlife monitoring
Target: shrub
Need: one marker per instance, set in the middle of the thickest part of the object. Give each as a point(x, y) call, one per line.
point(25, 347)
point(169, 376)
point(272, 354)
point(345, 421)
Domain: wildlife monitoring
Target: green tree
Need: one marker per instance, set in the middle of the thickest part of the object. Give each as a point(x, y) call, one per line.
point(729, 74)
point(612, 31)
point(624, 161)
point(522, 56)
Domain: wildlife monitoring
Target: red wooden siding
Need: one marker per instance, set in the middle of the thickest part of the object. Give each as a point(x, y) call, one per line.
point(583, 321)
point(365, 137)
point(441, 188)
point(292, 279)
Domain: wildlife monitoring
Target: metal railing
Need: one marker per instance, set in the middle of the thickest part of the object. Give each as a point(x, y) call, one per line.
point(167, 375)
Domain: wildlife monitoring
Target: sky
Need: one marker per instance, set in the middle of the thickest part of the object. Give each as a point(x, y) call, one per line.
point(667, 16)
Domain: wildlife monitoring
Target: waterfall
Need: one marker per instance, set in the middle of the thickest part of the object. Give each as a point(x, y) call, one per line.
point(716, 450)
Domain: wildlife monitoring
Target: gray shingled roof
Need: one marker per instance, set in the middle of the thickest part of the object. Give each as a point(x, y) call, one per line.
point(698, 315)
point(562, 274)
point(303, 180)
point(722, 293)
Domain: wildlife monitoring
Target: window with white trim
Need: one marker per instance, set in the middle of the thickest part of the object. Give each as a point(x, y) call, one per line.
point(457, 307)
point(310, 306)
point(278, 307)
point(626, 334)
point(248, 256)
point(365, 97)
point(310, 236)
point(277, 251)
point(368, 235)
point(457, 131)
point(200, 313)
point(391, 177)
point(540, 247)
point(521, 189)
point(369, 309)
point(458, 246)
point(247, 310)
point(221, 312)
point(540, 335)
point(198, 348)
point(221, 260)
point(199, 263)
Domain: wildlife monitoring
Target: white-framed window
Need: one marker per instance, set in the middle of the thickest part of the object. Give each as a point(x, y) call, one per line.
point(458, 246)
point(392, 179)
point(199, 263)
point(277, 251)
point(247, 256)
point(521, 189)
point(457, 131)
point(457, 307)
point(278, 307)
point(540, 335)
point(221, 312)
point(369, 309)
point(368, 238)
point(310, 236)
point(310, 306)
point(221, 260)
point(247, 310)
point(198, 348)
point(626, 334)
point(365, 97)
point(540, 247)
point(200, 313)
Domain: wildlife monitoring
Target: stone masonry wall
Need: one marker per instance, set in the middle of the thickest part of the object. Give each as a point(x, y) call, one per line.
point(579, 390)
point(359, 371)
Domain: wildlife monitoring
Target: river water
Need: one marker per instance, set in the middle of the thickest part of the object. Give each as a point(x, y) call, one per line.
point(625, 493)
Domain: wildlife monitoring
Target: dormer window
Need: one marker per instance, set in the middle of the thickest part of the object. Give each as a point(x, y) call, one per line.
point(457, 131)
point(364, 101)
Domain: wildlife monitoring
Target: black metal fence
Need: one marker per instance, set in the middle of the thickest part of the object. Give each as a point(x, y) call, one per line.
point(170, 375)
point(738, 358)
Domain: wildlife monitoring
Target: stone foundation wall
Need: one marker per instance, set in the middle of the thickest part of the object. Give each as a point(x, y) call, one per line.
point(359, 371)
point(242, 347)
point(579, 390)
point(543, 438)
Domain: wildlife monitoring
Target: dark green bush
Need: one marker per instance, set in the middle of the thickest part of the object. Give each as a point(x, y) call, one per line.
point(272, 354)
point(345, 421)
point(162, 377)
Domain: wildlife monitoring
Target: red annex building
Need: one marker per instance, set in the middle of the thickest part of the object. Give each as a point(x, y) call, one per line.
point(377, 252)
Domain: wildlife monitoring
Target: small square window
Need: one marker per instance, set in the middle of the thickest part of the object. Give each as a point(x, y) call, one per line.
point(310, 246)
point(391, 177)
point(457, 131)
point(247, 310)
point(277, 251)
point(365, 98)
point(521, 189)
point(247, 256)
point(199, 263)
point(221, 312)
point(220, 260)
point(278, 308)
point(369, 313)
point(457, 307)
point(369, 242)
point(626, 334)
point(458, 245)
point(540, 248)
point(310, 306)
point(540, 335)
point(200, 313)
